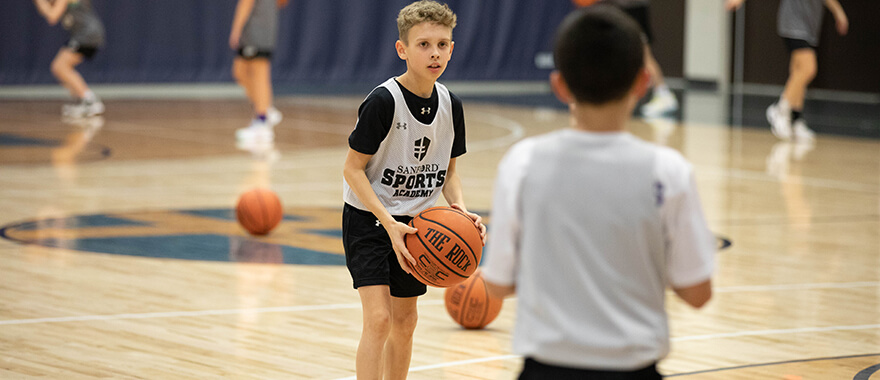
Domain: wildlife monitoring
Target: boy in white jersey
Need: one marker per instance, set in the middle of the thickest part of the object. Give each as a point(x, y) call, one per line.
point(402, 156)
point(799, 23)
point(590, 224)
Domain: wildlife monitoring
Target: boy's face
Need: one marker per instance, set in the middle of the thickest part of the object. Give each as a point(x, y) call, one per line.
point(428, 49)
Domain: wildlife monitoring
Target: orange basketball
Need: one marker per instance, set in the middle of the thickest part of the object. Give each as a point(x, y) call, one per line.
point(470, 305)
point(259, 211)
point(584, 3)
point(447, 247)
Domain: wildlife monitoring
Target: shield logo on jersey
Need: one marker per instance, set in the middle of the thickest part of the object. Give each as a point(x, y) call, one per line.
point(421, 147)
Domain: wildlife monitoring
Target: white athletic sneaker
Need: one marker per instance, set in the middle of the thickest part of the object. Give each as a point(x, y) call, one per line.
point(660, 104)
point(779, 159)
point(779, 118)
point(273, 116)
point(802, 132)
point(260, 150)
point(801, 148)
point(258, 131)
point(85, 122)
point(83, 109)
point(662, 128)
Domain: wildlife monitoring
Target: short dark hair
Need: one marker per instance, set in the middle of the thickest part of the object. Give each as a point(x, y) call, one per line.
point(599, 52)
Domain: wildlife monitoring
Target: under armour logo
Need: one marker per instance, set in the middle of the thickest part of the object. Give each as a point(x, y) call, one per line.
point(378, 223)
point(400, 126)
point(421, 147)
point(426, 110)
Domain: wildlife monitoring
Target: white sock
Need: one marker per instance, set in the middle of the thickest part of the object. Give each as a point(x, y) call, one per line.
point(89, 96)
point(662, 90)
point(783, 104)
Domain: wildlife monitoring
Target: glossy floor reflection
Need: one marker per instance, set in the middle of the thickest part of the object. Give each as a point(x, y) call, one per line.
point(121, 257)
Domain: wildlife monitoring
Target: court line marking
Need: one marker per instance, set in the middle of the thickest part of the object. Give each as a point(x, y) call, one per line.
point(515, 129)
point(197, 313)
point(451, 364)
point(808, 181)
point(722, 369)
point(825, 285)
point(439, 302)
point(287, 309)
point(773, 332)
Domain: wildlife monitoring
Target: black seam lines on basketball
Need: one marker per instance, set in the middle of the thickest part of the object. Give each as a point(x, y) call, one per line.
point(264, 214)
point(440, 260)
point(486, 304)
point(244, 217)
point(463, 241)
point(464, 303)
point(420, 275)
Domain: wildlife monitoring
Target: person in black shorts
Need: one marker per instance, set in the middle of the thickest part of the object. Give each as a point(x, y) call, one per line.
point(253, 36)
point(86, 38)
point(401, 159)
point(799, 23)
point(663, 101)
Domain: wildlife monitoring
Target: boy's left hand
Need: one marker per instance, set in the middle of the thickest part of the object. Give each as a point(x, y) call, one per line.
point(478, 221)
point(234, 37)
point(842, 24)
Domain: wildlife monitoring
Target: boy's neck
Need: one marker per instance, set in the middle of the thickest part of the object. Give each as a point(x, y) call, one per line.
point(609, 117)
point(422, 88)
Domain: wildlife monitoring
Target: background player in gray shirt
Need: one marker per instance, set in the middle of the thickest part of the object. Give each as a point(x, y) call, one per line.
point(799, 23)
point(663, 101)
point(590, 225)
point(253, 36)
point(86, 37)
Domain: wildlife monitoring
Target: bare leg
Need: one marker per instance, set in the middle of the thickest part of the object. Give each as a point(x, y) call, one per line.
point(398, 349)
point(662, 101)
point(63, 68)
point(261, 84)
point(802, 70)
point(255, 76)
point(653, 68)
point(377, 309)
point(241, 73)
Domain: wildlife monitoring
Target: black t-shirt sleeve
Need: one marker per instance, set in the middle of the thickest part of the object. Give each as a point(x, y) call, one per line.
point(458, 144)
point(374, 121)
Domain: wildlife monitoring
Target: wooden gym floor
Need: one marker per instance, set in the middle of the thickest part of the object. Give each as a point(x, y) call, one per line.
point(119, 256)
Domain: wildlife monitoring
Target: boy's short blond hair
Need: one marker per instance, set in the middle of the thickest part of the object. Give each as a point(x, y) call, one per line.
point(423, 11)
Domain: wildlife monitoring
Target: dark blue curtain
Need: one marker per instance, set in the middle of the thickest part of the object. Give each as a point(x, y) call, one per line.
point(320, 41)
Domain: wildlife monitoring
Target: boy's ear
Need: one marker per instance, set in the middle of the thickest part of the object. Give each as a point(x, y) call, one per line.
point(401, 49)
point(643, 82)
point(560, 88)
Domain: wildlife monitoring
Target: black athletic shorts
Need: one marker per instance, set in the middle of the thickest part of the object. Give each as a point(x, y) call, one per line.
point(87, 51)
point(251, 52)
point(369, 256)
point(795, 44)
point(534, 370)
point(642, 17)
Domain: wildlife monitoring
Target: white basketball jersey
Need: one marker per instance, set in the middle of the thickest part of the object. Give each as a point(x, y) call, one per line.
point(408, 171)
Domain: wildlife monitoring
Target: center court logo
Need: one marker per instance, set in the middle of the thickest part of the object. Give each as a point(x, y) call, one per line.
point(421, 147)
point(306, 236)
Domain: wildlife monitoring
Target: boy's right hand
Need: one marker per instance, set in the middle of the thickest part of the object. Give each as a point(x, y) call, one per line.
point(732, 5)
point(234, 37)
point(397, 232)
